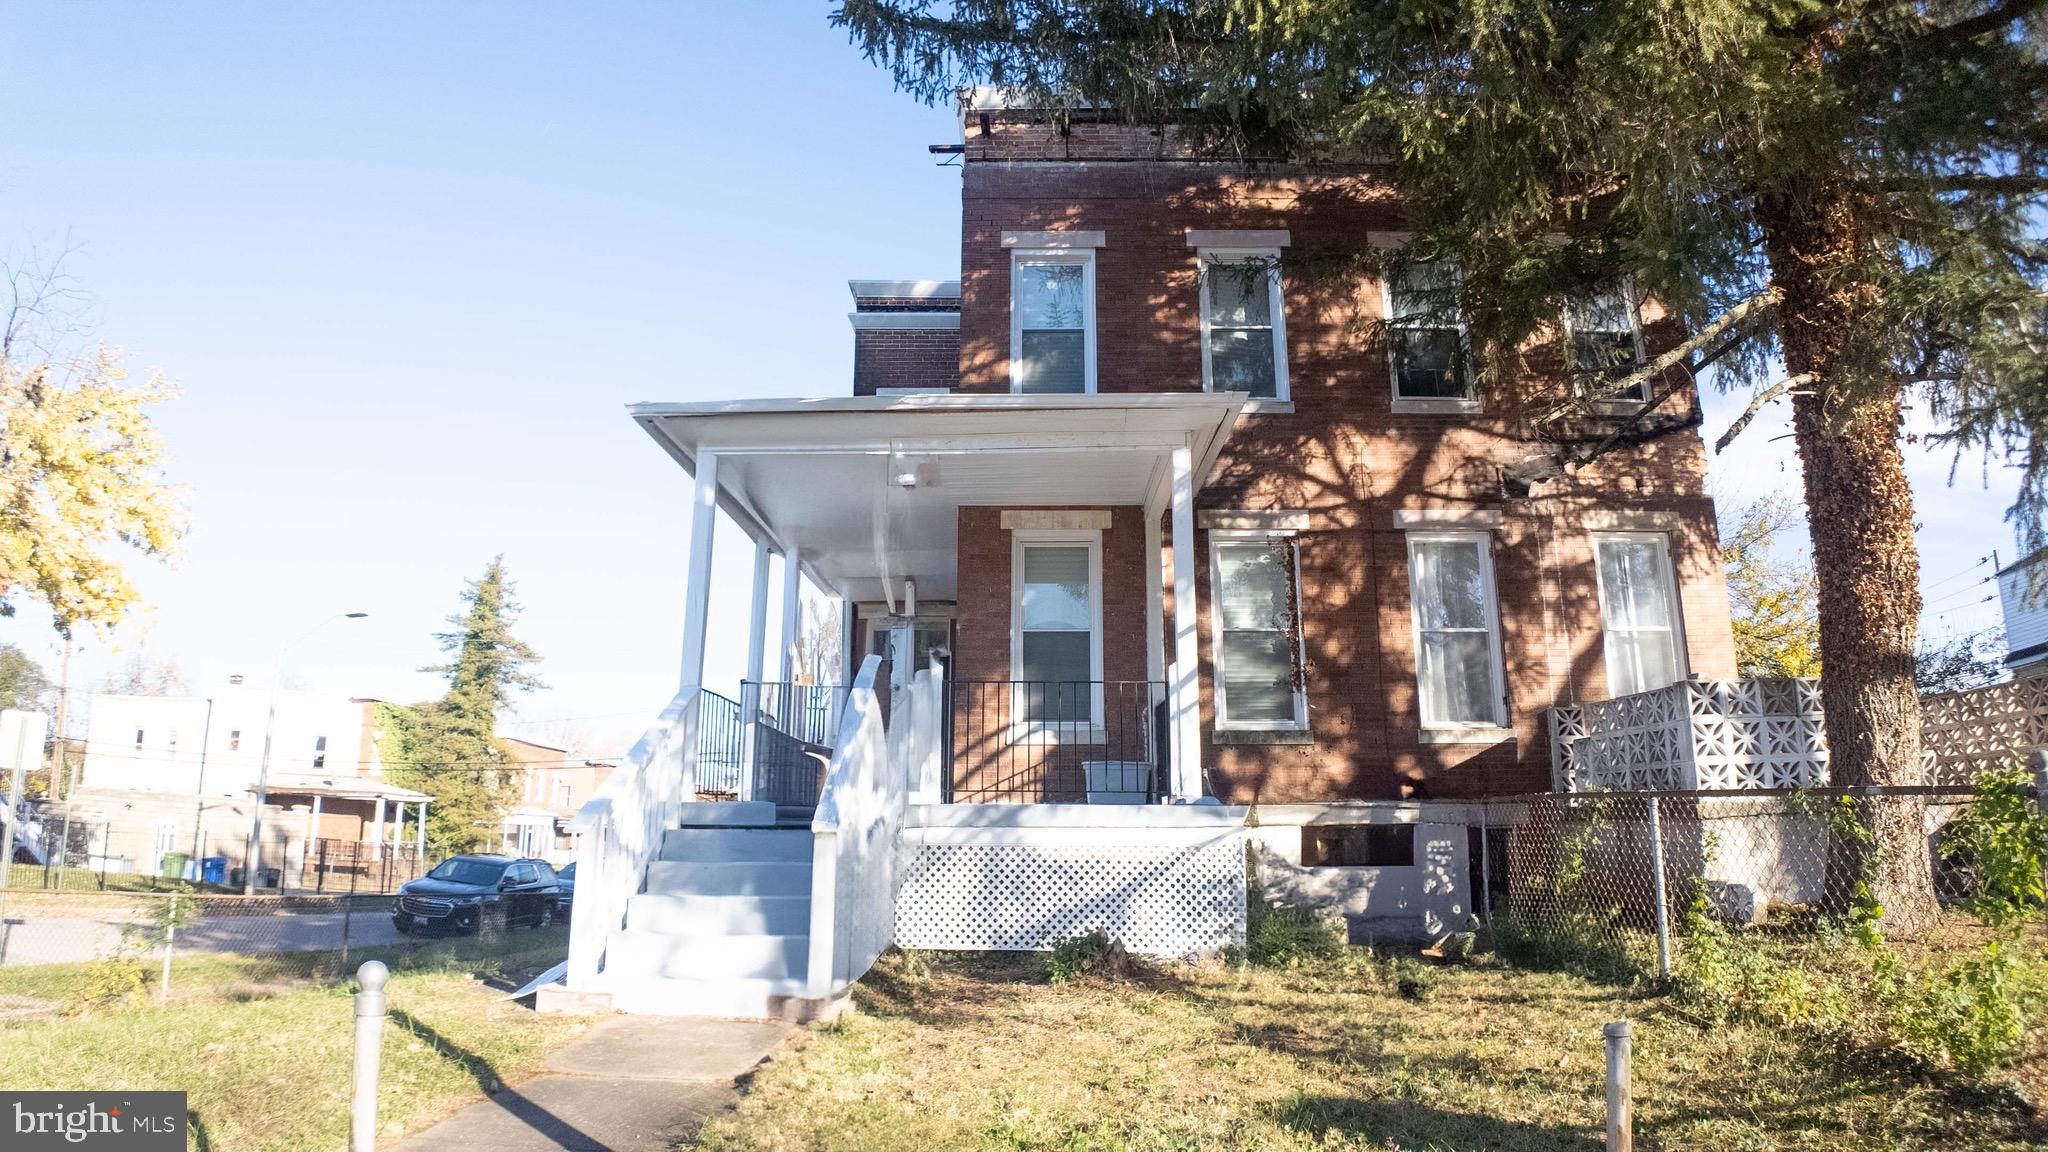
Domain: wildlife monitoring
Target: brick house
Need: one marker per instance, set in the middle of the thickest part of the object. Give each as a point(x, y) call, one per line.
point(1167, 531)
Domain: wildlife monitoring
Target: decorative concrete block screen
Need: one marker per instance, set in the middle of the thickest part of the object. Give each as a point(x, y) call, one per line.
point(1696, 734)
point(1025, 877)
point(1963, 733)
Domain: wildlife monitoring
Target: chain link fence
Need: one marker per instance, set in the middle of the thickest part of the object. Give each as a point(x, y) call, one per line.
point(1618, 884)
point(66, 952)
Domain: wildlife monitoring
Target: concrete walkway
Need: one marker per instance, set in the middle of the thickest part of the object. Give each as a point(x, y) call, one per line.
point(631, 1083)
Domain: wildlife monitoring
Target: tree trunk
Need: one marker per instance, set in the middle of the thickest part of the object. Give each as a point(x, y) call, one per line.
point(1860, 513)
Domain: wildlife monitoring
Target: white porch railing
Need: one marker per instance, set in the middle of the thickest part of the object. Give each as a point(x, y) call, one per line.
point(859, 816)
point(1695, 734)
point(621, 830)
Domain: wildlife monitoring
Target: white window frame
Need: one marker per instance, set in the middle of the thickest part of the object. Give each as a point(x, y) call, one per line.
point(1662, 540)
point(1430, 405)
point(1500, 687)
point(1085, 257)
point(1276, 309)
point(1020, 539)
point(1225, 538)
point(1619, 404)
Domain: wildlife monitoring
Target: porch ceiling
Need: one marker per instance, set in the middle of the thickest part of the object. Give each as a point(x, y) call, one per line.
point(821, 476)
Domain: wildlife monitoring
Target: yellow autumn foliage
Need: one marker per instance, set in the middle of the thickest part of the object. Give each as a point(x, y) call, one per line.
point(82, 486)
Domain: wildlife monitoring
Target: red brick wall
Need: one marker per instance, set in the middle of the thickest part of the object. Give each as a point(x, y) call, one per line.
point(985, 766)
point(905, 358)
point(1343, 455)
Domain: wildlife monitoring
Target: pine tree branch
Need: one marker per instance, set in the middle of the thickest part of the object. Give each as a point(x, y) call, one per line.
point(1972, 27)
point(1756, 405)
point(1754, 308)
point(2020, 184)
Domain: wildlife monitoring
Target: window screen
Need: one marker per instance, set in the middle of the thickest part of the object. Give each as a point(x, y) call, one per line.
point(1056, 632)
point(1240, 335)
point(1639, 614)
point(1426, 334)
point(1052, 318)
point(1255, 654)
point(1453, 602)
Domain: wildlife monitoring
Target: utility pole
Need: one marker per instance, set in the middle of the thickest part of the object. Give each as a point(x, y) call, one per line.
point(59, 762)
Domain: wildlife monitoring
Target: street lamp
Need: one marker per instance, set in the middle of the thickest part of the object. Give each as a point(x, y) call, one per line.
point(252, 859)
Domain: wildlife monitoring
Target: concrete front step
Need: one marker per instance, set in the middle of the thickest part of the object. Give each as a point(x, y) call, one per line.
point(696, 915)
point(727, 814)
point(736, 844)
point(632, 956)
point(730, 878)
point(743, 999)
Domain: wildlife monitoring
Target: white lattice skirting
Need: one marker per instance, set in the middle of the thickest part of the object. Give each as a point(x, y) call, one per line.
point(1162, 890)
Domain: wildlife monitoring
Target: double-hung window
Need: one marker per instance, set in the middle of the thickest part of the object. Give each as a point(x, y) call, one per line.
point(1606, 342)
point(1244, 326)
point(1426, 335)
point(1056, 628)
point(1052, 321)
point(1638, 613)
point(1258, 637)
point(1457, 645)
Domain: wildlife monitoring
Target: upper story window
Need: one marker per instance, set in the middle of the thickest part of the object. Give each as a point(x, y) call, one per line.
point(1638, 613)
point(1052, 321)
point(1254, 581)
point(319, 751)
point(138, 739)
point(1426, 337)
point(1244, 326)
point(234, 739)
point(1457, 644)
point(1604, 333)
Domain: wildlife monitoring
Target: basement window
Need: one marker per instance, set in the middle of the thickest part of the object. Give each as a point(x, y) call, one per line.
point(1358, 845)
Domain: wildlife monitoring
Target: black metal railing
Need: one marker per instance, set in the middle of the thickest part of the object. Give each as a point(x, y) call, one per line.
point(1072, 741)
point(719, 738)
point(795, 727)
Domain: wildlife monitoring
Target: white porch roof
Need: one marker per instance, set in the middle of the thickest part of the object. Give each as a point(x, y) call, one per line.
point(867, 489)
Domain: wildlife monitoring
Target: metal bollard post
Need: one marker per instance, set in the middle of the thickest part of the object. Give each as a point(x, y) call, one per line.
point(163, 986)
point(362, 1108)
point(1620, 1092)
point(1663, 905)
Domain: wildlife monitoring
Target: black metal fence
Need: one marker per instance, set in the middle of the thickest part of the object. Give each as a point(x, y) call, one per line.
point(719, 740)
point(351, 866)
point(1093, 741)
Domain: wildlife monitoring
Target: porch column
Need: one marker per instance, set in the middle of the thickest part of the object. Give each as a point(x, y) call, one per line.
point(792, 595)
point(1187, 680)
point(1155, 609)
point(377, 824)
point(421, 831)
point(398, 823)
point(312, 833)
point(697, 609)
point(751, 698)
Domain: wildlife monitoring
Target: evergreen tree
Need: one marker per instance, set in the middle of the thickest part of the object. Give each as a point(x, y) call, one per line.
point(448, 747)
point(1843, 186)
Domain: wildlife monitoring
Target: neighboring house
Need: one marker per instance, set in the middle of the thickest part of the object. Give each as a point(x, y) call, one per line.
point(1145, 526)
point(552, 783)
point(164, 774)
point(2023, 595)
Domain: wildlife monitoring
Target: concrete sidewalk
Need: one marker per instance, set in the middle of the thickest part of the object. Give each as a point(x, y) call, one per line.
point(629, 1084)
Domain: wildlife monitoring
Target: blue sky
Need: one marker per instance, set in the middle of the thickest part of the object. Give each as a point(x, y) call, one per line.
point(409, 262)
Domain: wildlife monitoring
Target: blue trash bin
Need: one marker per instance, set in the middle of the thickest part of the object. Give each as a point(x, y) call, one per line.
point(214, 870)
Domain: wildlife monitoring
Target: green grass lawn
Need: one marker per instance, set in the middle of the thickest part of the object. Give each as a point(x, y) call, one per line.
point(980, 1051)
point(264, 1051)
point(35, 876)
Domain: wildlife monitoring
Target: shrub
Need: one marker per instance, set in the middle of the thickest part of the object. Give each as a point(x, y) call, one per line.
point(1280, 936)
point(1413, 979)
point(109, 982)
point(1092, 954)
point(1577, 942)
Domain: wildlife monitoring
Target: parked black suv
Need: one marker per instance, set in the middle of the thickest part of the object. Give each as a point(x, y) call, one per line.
point(463, 892)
